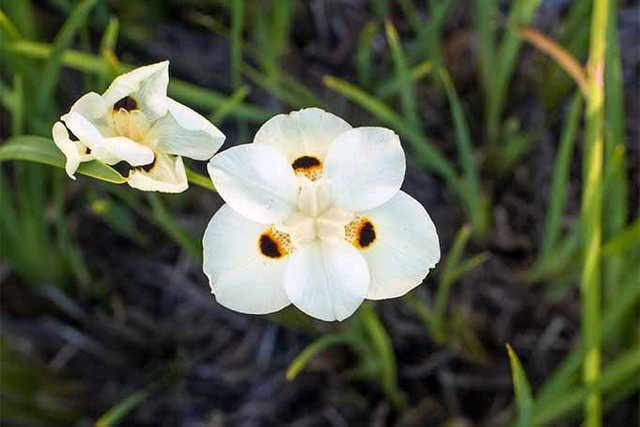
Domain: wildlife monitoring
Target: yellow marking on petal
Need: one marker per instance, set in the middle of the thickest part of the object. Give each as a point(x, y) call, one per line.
point(274, 244)
point(361, 232)
point(309, 166)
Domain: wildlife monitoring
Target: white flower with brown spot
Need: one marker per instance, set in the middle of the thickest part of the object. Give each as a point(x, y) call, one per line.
point(134, 121)
point(315, 217)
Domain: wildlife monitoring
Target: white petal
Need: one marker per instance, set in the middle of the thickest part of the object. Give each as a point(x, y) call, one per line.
point(307, 132)
point(256, 181)
point(186, 133)
point(74, 151)
point(326, 280)
point(366, 166)
point(405, 248)
point(119, 148)
point(167, 175)
point(146, 85)
point(91, 106)
point(83, 129)
point(241, 278)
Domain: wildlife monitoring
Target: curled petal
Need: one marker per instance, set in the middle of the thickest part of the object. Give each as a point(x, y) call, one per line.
point(256, 181)
point(186, 133)
point(327, 280)
point(74, 151)
point(242, 277)
point(366, 167)
point(165, 174)
point(308, 132)
point(146, 88)
point(91, 106)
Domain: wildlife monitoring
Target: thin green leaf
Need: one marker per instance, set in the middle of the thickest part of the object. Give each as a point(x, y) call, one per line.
point(564, 377)
point(478, 206)
point(43, 150)
point(364, 54)
point(51, 72)
point(384, 350)
point(522, 389)
point(200, 180)
point(390, 87)
point(189, 93)
point(167, 222)
point(522, 12)
point(7, 26)
point(122, 409)
point(226, 108)
point(312, 350)
point(561, 176)
point(403, 75)
point(237, 27)
point(620, 370)
point(424, 151)
point(626, 239)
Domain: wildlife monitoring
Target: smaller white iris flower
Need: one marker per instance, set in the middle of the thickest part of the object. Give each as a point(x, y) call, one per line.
point(134, 121)
point(315, 217)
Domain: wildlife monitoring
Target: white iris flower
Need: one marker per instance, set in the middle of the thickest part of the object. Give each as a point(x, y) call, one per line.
point(136, 122)
point(315, 217)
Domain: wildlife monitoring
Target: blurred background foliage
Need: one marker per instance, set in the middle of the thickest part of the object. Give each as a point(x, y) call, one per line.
point(520, 123)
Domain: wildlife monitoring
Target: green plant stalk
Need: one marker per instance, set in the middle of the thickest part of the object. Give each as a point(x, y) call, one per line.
point(591, 212)
point(194, 95)
point(567, 374)
point(623, 368)
point(615, 196)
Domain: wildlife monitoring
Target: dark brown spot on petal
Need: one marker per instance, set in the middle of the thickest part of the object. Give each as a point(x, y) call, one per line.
point(305, 162)
point(269, 247)
point(127, 103)
point(309, 166)
point(87, 150)
point(366, 234)
point(360, 232)
point(274, 244)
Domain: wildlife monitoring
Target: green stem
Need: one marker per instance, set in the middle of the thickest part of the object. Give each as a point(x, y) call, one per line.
point(591, 213)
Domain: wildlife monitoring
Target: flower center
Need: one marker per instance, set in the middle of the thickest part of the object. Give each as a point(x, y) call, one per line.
point(129, 121)
point(315, 218)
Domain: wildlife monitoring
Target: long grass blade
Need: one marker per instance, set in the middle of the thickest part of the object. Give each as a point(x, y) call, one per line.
point(403, 75)
point(522, 390)
point(478, 205)
point(560, 180)
point(51, 72)
point(312, 350)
